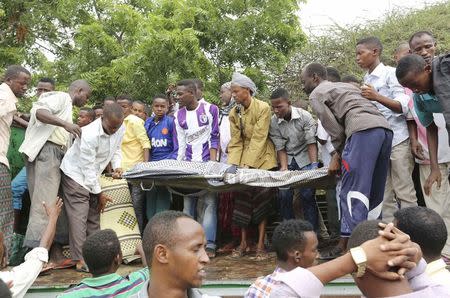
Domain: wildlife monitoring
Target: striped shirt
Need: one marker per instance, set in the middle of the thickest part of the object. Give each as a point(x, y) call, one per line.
point(111, 285)
point(197, 132)
point(343, 111)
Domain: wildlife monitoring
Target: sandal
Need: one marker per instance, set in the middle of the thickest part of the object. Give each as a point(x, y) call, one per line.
point(238, 252)
point(211, 252)
point(65, 264)
point(261, 255)
point(331, 254)
point(46, 270)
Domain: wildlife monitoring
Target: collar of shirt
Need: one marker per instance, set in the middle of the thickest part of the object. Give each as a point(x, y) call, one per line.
point(246, 110)
point(435, 266)
point(295, 114)
point(378, 71)
point(101, 280)
point(101, 131)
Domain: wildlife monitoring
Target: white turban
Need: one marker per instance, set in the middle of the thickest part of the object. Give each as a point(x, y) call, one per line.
point(243, 81)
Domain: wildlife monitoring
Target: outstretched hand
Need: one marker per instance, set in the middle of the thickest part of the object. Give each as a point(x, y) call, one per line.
point(54, 210)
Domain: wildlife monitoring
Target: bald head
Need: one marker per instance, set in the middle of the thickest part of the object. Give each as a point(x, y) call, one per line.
point(112, 118)
point(80, 91)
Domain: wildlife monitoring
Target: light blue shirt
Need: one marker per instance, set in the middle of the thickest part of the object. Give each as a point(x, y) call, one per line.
point(385, 82)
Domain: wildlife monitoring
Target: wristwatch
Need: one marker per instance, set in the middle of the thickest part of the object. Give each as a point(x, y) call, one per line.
point(360, 259)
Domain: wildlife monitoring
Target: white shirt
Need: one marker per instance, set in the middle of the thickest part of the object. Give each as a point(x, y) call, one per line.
point(59, 104)
point(197, 132)
point(385, 82)
point(24, 275)
point(327, 149)
point(225, 137)
point(89, 155)
point(7, 109)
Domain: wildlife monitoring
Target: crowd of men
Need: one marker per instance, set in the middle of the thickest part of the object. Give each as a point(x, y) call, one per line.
point(369, 134)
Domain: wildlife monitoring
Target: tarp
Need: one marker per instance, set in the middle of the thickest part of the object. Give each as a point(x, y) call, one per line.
point(214, 176)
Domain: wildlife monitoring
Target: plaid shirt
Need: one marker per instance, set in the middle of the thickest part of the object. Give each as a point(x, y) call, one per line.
point(262, 287)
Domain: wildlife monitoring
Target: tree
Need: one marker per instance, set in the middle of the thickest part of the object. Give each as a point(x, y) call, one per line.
point(139, 46)
point(337, 47)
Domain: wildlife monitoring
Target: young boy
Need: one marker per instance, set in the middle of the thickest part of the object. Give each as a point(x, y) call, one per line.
point(431, 93)
point(138, 109)
point(382, 89)
point(295, 244)
point(197, 126)
point(362, 137)
point(85, 116)
point(293, 132)
point(162, 134)
point(135, 149)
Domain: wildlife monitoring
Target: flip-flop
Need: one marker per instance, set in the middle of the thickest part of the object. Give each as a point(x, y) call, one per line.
point(238, 252)
point(261, 255)
point(65, 264)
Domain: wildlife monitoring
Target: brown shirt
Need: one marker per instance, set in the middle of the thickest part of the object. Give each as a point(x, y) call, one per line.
point(343, 111)
point(250, 143)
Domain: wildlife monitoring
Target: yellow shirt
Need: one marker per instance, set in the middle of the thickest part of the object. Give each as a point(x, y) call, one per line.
point(437, 272)
point(60, 136)
point(134, 142)
point(250, 143)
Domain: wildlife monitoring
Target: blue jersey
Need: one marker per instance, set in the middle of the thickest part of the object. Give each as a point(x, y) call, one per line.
point(163, 137)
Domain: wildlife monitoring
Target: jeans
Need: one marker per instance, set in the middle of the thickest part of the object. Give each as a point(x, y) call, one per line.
point(311, 213)
point(208, 215)
point(138, 199)
point(19, 186)
point(158, 199)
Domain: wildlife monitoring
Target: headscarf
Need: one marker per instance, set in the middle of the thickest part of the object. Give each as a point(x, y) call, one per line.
point(244, 82)
point(226, 85)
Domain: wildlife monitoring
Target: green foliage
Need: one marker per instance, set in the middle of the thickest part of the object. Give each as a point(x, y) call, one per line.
point(140, 46)
point(337, 47)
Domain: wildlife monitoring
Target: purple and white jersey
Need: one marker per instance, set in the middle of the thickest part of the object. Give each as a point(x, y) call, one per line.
point(197, 132)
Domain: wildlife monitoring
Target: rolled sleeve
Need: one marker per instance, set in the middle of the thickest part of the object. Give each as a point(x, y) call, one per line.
point(310, 128)
point(275, 135)
point(398, 91)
